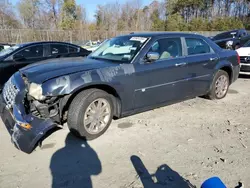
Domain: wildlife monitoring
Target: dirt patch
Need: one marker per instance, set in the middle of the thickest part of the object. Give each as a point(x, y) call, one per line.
point(231, 91)
point(125, 125)
point(47, 146)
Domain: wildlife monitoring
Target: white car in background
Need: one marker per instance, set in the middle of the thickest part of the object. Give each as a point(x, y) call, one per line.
point(244, 53)
point(91, 45)
point(4, 46)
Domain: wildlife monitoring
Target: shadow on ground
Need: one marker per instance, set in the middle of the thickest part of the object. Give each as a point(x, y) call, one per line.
point(73, 165)
point(244, 76)
point(163, 177)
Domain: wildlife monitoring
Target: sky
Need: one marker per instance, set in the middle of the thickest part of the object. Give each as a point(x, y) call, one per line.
point(90, 5)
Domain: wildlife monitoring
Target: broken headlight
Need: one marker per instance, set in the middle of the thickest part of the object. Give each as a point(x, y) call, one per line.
point(36, 91)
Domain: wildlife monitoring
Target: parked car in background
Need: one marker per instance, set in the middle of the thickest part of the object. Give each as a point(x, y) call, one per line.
point(4, 46)
point(231, 39)
point(244, 53)
point(139, 73)
point(91, 45)
point(18, 56)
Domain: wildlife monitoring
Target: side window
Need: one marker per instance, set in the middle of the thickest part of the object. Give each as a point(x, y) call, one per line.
point(73, 49)
point(58, 49)
point(31, 52)
point(167, 48)
point(197, 46)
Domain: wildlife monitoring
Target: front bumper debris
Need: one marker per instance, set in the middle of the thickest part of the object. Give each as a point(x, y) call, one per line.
point(25, 139)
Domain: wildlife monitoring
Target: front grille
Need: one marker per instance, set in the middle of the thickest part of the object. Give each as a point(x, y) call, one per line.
point(245, 59)
point(9, 93)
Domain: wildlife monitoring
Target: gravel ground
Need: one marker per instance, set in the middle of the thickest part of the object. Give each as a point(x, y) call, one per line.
point(166, 147)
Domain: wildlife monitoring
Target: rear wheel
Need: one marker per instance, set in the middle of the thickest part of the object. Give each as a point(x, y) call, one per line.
point(220, 85)
point(90, 113)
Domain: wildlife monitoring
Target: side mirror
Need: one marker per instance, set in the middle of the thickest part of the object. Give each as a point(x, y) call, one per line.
point(18, 57)
point(152, 56)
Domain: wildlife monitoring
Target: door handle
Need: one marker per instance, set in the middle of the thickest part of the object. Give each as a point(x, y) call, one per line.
point(213, 59)
point(180, 64)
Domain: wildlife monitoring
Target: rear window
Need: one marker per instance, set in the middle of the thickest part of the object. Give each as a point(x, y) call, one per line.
point(197, 46)
point(58, 49)
point(73, 49)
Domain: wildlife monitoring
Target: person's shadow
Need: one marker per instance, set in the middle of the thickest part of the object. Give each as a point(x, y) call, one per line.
point(73, 165)
point(163, 177)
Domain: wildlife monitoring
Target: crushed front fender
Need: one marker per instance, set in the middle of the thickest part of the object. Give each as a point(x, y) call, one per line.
point(25, 139)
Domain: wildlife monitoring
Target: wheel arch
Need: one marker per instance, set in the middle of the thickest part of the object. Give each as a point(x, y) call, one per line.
point(226, 66)
point(229, 71)
point(117, 102)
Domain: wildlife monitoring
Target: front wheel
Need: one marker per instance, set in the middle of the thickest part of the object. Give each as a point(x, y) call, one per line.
point(90, 113)
point(219, 86)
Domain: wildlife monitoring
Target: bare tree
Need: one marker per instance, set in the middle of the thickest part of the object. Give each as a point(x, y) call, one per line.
point(8, 18)
point(51, 8)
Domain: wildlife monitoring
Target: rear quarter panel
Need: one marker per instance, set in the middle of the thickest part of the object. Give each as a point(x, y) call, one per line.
point(228, 58)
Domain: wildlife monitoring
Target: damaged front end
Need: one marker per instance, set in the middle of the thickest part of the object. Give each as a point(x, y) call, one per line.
point(26, 118)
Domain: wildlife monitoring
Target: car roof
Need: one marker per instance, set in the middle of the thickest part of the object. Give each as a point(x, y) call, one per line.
point(156, 34)
point(231, 31)
point(45, 42)
point(4, 43)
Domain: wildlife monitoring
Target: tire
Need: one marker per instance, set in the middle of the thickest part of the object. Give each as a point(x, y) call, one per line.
point(78, 109)
point(213, 91)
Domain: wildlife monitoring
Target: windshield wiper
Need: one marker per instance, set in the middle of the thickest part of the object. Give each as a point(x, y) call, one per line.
point(109, 60)
point(99, 58)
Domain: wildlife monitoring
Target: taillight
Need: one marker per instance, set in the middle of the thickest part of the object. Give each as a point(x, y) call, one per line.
point(238, 58)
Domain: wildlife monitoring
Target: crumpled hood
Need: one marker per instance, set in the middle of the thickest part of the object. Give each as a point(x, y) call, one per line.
point(244, 51)
point(52, 68)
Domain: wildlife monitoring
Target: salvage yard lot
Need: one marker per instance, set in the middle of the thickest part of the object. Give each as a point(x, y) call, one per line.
point(197, 139)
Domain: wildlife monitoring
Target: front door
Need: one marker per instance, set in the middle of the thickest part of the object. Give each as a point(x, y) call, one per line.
point(29, 55)
point(163, 80)
point(7, 68)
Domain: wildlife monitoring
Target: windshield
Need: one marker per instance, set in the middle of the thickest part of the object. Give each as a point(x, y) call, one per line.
point(247, 44)
point(8, 50)
point(121, 49)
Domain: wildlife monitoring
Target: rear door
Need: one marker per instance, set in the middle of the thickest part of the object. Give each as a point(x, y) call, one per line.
point(58, 50)
point(73, 51)
point(163, 80)
point(201, 60)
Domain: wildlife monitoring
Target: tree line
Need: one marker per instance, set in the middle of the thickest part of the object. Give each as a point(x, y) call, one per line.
point(168, 15)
